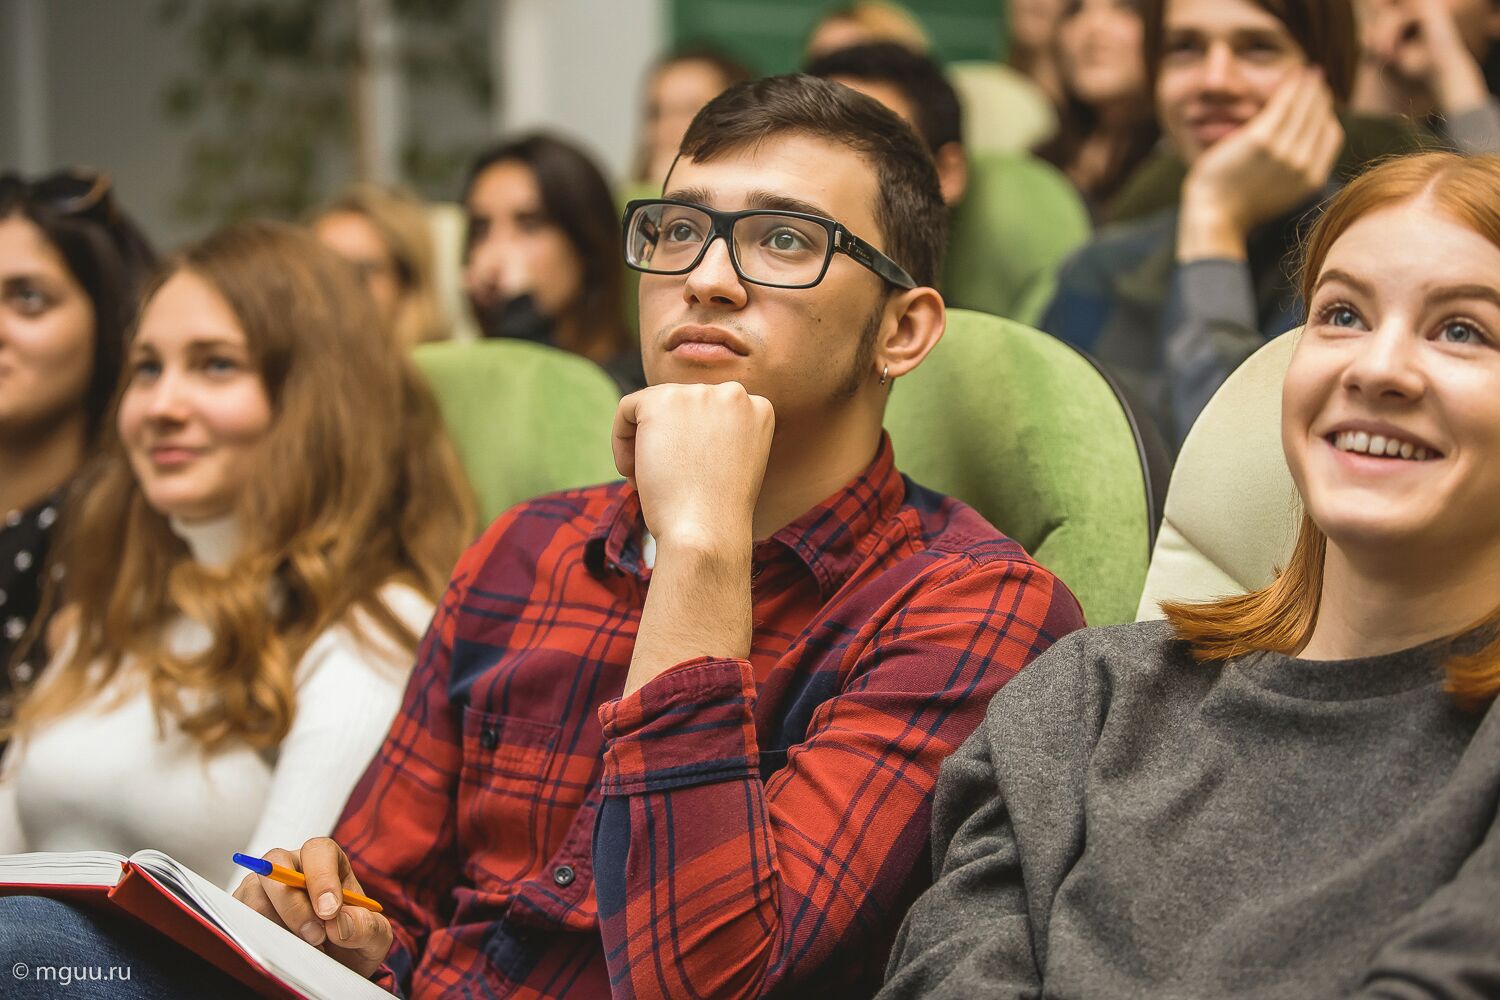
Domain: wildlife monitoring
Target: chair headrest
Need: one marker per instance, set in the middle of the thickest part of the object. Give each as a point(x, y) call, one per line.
point(1231, 512)
point(1022, 428)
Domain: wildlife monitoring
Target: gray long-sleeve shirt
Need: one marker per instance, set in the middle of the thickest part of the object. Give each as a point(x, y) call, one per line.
point(1171, 333)
point(1129, 823)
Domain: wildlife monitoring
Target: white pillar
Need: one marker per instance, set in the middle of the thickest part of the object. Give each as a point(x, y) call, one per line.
point(575, 67)
point(519, 50)
point(380, 97)
point(30, 44)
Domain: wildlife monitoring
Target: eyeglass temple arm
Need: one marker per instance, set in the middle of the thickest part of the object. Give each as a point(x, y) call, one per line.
point(876, 261)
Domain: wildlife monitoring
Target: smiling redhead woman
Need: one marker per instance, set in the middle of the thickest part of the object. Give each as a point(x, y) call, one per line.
point(1291, 793)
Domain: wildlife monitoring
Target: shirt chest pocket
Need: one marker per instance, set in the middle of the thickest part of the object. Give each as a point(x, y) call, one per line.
point(503, 792)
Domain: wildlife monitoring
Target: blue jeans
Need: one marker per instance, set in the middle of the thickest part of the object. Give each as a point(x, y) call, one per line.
point(51, 948)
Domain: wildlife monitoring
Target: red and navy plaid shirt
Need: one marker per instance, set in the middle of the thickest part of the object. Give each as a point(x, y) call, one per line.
point(734, 827)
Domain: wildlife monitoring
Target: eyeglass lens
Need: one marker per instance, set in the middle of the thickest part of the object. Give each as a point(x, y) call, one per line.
point(772, 249)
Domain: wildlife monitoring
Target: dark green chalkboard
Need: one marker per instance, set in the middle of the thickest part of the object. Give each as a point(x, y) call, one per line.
point(768, 34)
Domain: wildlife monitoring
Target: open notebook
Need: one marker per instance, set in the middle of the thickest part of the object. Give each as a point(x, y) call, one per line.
point(192, 911)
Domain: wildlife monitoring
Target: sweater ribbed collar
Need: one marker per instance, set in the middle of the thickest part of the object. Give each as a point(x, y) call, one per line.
point(213, 543)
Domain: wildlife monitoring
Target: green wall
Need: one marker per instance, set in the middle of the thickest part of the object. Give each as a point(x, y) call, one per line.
point(768, 34)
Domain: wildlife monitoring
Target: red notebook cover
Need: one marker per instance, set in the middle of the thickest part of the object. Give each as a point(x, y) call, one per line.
point(141, 896)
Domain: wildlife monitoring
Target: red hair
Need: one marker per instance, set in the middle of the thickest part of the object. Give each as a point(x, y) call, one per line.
point(1281, 616)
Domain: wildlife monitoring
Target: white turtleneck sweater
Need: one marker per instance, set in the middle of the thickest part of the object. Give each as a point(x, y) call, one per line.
point(103, 778)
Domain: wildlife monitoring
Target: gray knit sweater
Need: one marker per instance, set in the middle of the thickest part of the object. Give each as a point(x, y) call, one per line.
point(1128, 823)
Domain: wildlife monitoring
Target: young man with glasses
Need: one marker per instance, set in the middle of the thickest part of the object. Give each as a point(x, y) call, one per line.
point(679, 736)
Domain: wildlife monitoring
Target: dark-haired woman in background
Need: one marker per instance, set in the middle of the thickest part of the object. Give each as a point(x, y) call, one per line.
point(1295, 792)
point(543, 258)
point(1106, 124)
point(71, 265)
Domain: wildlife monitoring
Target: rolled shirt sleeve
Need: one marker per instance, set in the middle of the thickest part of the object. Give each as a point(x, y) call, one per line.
point(1210, 329)
point(713, 880)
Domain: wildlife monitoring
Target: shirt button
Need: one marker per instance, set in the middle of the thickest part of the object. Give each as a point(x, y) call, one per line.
point(563, 875)
point(489, 737)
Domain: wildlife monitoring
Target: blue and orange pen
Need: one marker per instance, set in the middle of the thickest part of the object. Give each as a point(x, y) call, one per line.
point(288, 876)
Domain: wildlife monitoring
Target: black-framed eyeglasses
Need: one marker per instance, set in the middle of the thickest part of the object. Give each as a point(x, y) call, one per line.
point(66, 192)
point(766, 247)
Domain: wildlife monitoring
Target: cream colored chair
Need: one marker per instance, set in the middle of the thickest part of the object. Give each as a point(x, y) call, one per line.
point(1004, 112)
point(1231, 512)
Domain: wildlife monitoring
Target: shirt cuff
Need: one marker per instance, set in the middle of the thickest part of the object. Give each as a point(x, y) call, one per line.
point(1214, 290)
point(386, 980)
point(692, 725)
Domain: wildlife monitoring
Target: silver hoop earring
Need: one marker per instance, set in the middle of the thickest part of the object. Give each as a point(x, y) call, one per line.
point(884, 374)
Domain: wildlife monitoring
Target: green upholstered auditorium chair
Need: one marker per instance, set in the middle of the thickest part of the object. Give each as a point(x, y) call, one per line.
point(1016, 225)
point(1232, 512)
point(1027, 431)
point(527, 419)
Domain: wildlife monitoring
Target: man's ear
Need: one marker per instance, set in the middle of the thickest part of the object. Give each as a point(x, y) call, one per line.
point(952, 171)
point(921, 318)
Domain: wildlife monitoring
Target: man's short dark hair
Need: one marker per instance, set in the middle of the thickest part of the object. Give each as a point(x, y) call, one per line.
point(909, 205)
point(920, 80)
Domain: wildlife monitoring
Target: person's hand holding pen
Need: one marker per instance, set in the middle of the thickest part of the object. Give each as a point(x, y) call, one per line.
point(354, 935)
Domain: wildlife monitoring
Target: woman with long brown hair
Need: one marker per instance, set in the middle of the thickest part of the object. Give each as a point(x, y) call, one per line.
point(1294, 792)
point(251, 563)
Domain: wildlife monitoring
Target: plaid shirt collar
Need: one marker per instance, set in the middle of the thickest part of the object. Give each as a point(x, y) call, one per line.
point(827, 539)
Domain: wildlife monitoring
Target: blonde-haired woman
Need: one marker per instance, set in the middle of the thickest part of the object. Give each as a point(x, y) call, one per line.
point(250, 567)
point(865, 21)
point(384, 233)
point(1294, 792)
